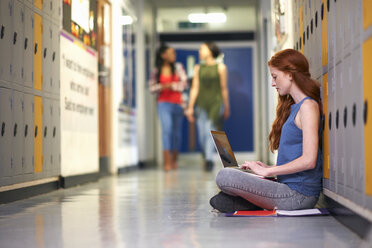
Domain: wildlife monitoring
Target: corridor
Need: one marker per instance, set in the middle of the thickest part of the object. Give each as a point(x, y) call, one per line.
point(151, 208)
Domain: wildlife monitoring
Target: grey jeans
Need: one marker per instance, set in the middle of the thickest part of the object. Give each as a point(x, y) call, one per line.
point(264, 193)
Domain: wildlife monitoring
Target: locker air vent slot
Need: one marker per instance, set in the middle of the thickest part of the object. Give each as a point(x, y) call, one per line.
point(337, 115)
point(2, 129)
point(15, 38)
point(345, 116)
point(26, 130)
point(15, 130)
point(354, 114)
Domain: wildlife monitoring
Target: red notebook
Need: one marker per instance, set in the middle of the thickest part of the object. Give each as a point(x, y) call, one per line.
point(278, 213)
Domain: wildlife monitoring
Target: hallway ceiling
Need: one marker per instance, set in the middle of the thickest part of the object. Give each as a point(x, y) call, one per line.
point(201, 3)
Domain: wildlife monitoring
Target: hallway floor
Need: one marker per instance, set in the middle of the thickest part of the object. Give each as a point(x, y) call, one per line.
point(150, 208)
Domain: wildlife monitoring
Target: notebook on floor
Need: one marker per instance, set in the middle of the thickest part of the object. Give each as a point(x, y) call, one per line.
point(226, 154)
point(279, 213)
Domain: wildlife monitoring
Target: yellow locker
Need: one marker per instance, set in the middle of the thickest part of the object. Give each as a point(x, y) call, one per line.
point(367, 13)
point(38, 140)
point(326, 127)
point(367, 92)
point(323, 16)
point(39, 4)
point(38, 47)
point(301, 29)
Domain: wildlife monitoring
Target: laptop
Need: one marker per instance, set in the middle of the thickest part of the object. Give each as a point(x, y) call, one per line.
point(226, 154)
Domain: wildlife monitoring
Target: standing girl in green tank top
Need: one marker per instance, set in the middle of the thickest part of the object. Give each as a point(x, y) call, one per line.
point(209, 94)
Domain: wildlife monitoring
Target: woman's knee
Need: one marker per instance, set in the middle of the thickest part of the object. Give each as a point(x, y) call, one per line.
point(224, 177)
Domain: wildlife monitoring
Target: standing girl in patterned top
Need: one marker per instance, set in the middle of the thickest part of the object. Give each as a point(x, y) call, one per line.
point(295, 134)
point(168, 81)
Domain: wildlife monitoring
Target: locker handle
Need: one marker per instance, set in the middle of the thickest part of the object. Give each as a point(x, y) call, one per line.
point(2, 31)
point(322, 12)
point(26, 130)
point(316, 19)
point(15, 130)
point(311, 26)
point(307, 32)
point(45, 52)
point(354, 114)
point(304, 37)
point(35, 131)
point(45, 132)
point(35, 48)
point(365, 112)
point(3, 129)
point(328, 6)
point(54, 132)
point(337, 115)
point(345, 116)
point(26, 42)
point(54, 56)
point(15, 38)
point(330, 121)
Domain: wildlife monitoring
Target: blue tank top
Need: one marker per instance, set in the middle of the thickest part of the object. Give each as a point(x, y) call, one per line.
point(307, 182)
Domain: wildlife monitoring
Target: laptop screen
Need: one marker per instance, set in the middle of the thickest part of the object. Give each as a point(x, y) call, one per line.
point(222, 145)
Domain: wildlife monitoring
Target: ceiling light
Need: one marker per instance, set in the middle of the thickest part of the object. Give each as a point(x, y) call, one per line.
point(126, 20)
point(207, 18)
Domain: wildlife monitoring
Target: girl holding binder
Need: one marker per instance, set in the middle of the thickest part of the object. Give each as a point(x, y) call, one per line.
point(295, 134)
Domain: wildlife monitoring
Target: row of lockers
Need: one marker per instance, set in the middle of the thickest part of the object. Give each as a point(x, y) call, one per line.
point(51, 8)
point(335, 24)
point(29, 137)
point(29, 47)
point(332, 35)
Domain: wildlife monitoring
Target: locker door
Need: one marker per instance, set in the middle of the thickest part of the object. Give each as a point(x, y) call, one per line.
point(29, 134)
point(17, 133)
point(331, 22)
point(367, 15)
point(358, 129)
point(347, 17)
point(340, 129)
point(323, 17)
point(55, 59)
point(47, 145)
point(57, 10)
point(47, 55)
point(339, 25)
point(332, 129)
point(367, 91)
point(48, 7)
point(6, 132)
point(39, 4)
point(28, 48)
point(18, 34)
point(317, 40)
point(357, 24)
point(38, 47)
point(325, 129)
point(38, 134)
point(301, 28)
point(56, 138)
point(6, 39)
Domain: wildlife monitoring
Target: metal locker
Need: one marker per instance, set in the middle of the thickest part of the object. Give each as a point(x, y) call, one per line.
point(339, 29)
point(56, 138)
point(57, 10)
point(38, 47)
point(357, 24)
point(339, 138)
point(39, 4)
point(323, 19)
point(325, 127)
point(18, 40)
point(317, 39)
point(28, 134)
point(56, 59)
point(367, 16)
point(6, 39)
point(17, 133)
point(301, 28)
point(6, 133)
point(47, 55)
point(305, 17)
point(332, 128)
point(38, 134)
point(357, 140)
point(47, 135)
point(331, 21)
point(28, 49)
point(347, 18)
point(48, 7)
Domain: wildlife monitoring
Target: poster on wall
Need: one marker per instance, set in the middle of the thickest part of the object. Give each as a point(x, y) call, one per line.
point(79, 107)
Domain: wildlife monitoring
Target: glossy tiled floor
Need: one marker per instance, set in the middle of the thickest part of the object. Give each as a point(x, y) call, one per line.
point(150, 208)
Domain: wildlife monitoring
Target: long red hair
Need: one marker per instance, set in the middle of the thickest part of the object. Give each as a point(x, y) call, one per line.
point(295, 63)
